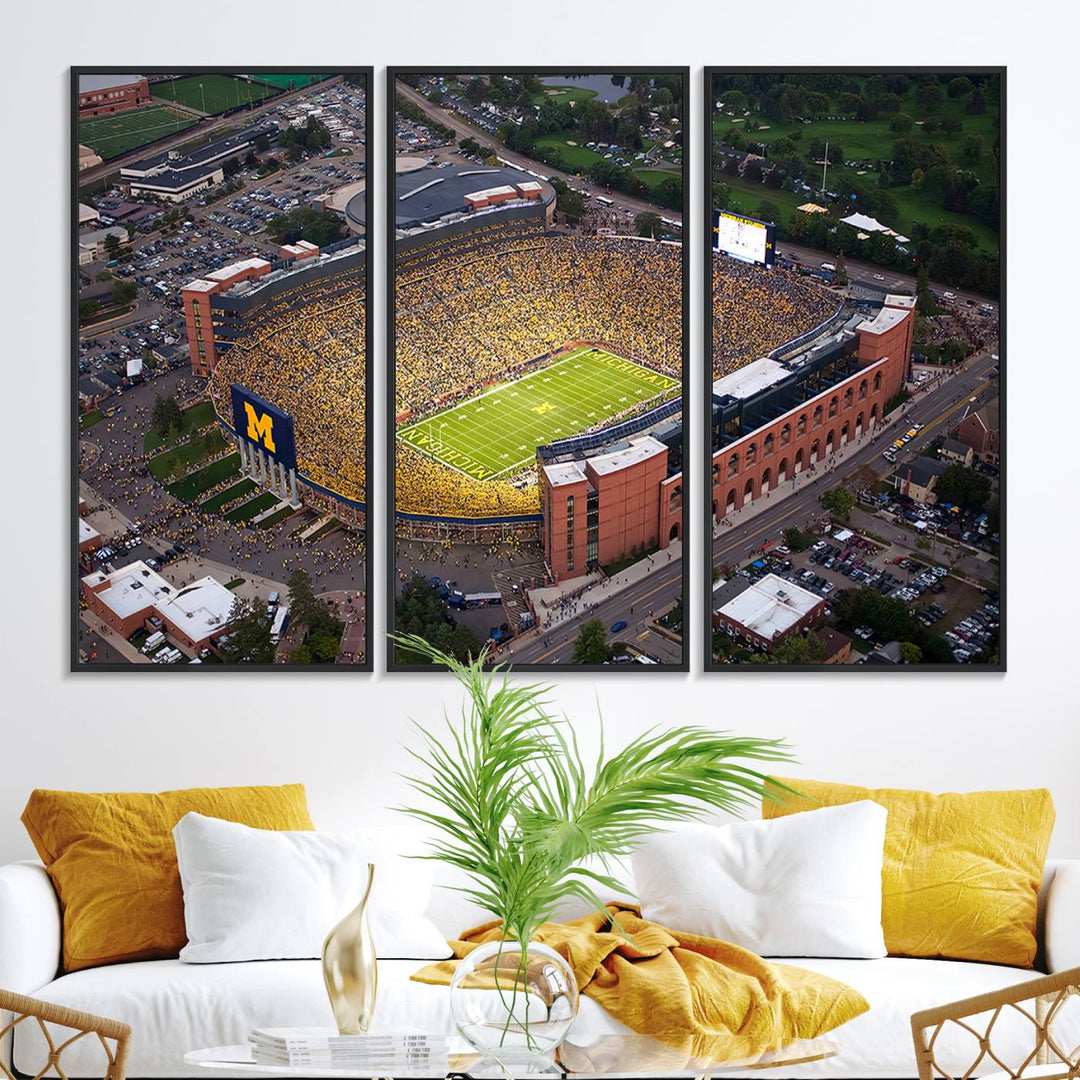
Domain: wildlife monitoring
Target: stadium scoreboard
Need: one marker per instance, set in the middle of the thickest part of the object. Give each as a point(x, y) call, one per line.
point(744, 238)
point(264, 425)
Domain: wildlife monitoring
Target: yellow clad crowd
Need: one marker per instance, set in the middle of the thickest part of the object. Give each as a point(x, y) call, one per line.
point(478, 308)
point(305, 353)
point(756, 311)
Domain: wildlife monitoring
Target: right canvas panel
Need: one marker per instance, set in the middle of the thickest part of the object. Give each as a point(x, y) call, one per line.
point(855, 294)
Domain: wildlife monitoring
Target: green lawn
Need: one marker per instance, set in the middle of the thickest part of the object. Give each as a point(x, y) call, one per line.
point(89, 419)
point(212, 94)
point(560, 94)
point(246, 511)
point(576, 157)
point(187, 454)
point(234, 491)
point(111, 136)
point(289, 82)
point(498, 431)
point(195, 419)
point(653, 178)
point(274, 519)
point(194, 485)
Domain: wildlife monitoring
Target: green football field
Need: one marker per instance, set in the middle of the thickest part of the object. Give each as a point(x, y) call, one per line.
point(111, 136)
point(212, 93)
point(498, 432)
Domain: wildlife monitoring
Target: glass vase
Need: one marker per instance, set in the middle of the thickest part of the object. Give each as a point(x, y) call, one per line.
point(349, 968)
point(514, 1004)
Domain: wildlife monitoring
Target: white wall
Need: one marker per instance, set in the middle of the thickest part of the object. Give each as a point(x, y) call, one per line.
point(341, 734)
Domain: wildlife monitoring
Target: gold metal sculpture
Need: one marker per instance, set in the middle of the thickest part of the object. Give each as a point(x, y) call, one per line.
point(349, 968)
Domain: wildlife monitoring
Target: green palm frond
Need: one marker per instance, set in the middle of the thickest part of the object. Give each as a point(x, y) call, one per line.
point(516, 808)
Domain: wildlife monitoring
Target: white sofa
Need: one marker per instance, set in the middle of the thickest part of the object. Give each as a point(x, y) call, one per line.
point(175, 1007)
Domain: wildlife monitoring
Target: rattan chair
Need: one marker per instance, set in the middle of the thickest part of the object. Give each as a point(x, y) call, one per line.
point(108, 1032)
point(1040, 1002)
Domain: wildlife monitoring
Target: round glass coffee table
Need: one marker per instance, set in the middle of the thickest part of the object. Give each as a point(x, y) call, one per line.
point(628, 1056)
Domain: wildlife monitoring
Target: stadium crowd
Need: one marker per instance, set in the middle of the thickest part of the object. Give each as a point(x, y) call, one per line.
point(305, 353)
point(756, 311)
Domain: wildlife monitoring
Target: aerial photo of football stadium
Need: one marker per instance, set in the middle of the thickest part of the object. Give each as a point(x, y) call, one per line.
point(538, 331)
point(854, 404)
point(220, 369)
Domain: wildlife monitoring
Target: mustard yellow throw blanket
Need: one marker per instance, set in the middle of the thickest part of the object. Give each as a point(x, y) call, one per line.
point(706, 998)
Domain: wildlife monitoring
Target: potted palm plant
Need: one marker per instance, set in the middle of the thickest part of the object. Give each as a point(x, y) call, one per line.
point(513, 804)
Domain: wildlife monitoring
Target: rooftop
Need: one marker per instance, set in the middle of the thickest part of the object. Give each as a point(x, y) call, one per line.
point(566, 472)
point(89, 83)
point(636, 451)
point(884, 320)
point(426, 196)
point(750, 379)
point(200, 609)
point(770, 607)
point(130, 589)
point(86, 531)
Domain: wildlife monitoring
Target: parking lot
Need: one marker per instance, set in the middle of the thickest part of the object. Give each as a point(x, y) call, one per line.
point(948, 606)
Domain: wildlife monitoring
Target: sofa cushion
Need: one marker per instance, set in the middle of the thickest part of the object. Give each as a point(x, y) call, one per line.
point(961, 872)
point(804, 885)
point(112, 860)
point(175, 1007)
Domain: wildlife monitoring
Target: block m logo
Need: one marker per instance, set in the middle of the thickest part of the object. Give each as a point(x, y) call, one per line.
point(260, 427)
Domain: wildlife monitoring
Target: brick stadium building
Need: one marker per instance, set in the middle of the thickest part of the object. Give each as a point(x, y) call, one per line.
point(601, 507)
point(199, 311)
point(772, 419)
point(102, 95)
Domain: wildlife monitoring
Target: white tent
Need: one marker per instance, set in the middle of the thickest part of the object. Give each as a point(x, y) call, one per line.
point(134, 367)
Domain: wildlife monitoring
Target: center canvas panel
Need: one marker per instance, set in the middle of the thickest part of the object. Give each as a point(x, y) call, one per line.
point(537, 324)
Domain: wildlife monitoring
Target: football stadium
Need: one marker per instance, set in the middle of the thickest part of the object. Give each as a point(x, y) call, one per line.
point(513, 340)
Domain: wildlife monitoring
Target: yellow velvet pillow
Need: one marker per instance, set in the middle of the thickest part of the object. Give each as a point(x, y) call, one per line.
point(113, 864)
point(961, 872)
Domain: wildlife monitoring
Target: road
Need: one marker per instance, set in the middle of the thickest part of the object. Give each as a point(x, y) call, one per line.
point(933, 408)
point(878, 279)
point(633, 605)
point(463, 130)
point(188, 135)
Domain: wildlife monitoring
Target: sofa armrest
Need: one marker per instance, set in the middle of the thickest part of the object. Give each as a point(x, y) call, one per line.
point(29, 928)
point(1062, 932)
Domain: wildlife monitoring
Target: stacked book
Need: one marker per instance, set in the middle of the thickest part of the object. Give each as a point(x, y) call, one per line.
point(323, 1048)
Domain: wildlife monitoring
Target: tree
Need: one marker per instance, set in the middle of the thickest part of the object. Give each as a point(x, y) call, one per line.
point(839, 502)
point(841, 276)
point(647, 224)
point(248, 638)
point(303, 223)
point(798, 539)
point(251, 159)
point(230, 167)
point(901, 123)
point(112, 246)
point(964, 487)
point(166, 416)
point(910, 653)
point(960, 87)
point(303, 604)
point(420, 611)
point(795, 649)
point(591, 646)
point(124, 292)
point(971, 148)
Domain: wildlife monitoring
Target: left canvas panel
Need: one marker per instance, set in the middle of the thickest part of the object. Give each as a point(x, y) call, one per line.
point(219, 369)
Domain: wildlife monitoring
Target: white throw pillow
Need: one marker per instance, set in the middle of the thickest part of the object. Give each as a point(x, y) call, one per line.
point(259, 894)
point(804, 885)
